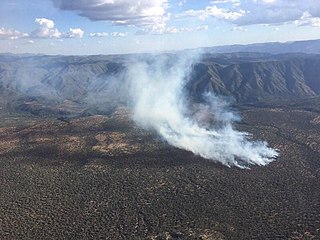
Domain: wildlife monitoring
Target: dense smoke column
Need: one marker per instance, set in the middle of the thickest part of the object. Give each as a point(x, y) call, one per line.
point(159, 102)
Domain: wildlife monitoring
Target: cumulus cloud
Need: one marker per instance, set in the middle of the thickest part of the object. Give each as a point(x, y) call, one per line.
point(233, 2)
point(214, 11)
point(187, 29)
point(181, 3)
point(75, 33)
point(106, 34)
point(47, 29)
point(152, 16)
point(148, 13)
point(195, 29)
point(47, 23)
point(265, 1)
point(119, 34)
point(172, 30)
point(250, 12)
point(277, 11)
point(11, 34)
point(99, 34)
point(239, 29)
point(308, 20)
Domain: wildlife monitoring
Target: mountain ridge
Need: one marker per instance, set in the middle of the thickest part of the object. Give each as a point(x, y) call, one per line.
point(301, 46)
point(254, 81)
point(97, 82)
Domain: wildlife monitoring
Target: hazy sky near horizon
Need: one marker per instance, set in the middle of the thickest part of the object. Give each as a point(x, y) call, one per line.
point(128, 26)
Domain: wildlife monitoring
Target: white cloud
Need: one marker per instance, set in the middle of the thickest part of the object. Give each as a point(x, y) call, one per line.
point(106, 34)
point(214, 11)
point(194, 29)
point(269, 1)
point(239, 29)
point(99, 34)
point(307, 20)
point(249, 12)
point(182, 2)
point(75, 33)
point(46, 33)
point(277, 11)
point(47, 23)
point(11, 34)
point(47, 30)
point(234, 2)
point(172, 30)
point(265, 1)
point(146, 13)
point(119, 34)
point(224, 14)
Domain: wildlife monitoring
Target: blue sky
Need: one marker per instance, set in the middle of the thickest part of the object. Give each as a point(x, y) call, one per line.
point(128, 26)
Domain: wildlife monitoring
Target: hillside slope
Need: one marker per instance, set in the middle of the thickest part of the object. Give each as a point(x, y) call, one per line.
point(261, 80)
point(67, 84)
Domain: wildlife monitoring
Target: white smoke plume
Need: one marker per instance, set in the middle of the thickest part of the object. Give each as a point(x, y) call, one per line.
point(159, 102)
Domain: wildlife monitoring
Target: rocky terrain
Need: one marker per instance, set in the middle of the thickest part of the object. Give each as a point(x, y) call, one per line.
point(71, 168)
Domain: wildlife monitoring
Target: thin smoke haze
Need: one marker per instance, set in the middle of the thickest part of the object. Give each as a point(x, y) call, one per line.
point(159, 102)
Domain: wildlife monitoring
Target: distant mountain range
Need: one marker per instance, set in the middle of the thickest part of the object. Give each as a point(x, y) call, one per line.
point(307, 46)
point(73, 84)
